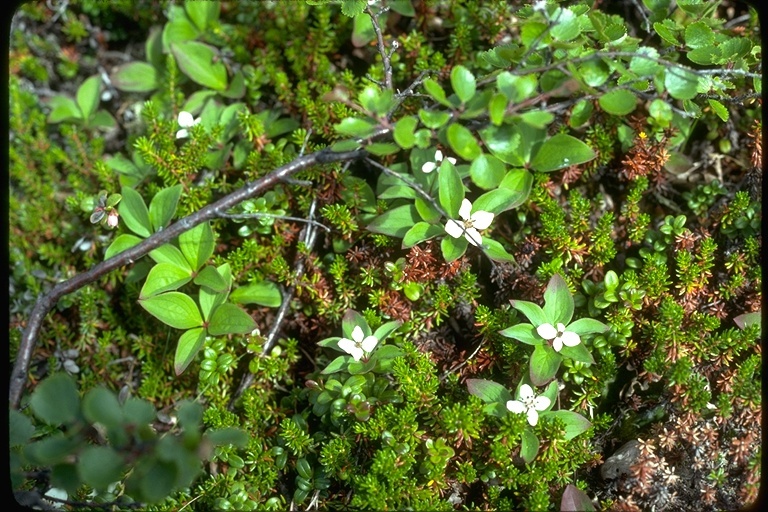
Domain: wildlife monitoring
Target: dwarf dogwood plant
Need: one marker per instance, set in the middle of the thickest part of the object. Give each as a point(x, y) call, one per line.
point(363, 349)
point(551, 331)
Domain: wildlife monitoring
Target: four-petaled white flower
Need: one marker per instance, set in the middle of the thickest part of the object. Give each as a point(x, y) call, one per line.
point(558, 336)
point(185, 121)
point(360, 345)
point(470, 224)
point(529, 403)
point(431, 166)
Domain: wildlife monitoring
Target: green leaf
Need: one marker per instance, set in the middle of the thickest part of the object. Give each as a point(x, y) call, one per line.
point(463, 142)
point(453, 248)
point(575, 423)
point(55, 400)
point(463, 83)
point(578, 353)
point(487, 171)
point(189, 345)
point(20, 428)
point(498, 200)
point(519, 181)
point(420, 232)
point(618, 102)
point(100, 466)
point(101, 406)
point(199, 62)
point(488, 391)
point(584, 326)
point(529, 446)
point(382, 148)
point(427, 211)
point(52, 449)
point(352, 8)
point(356, 127)
point(264, 293)
point(197, 245)
point(102, 119)
point(135, 77)
point(228, 436)
point(497, 108)
point(211, 279)
point(175, 309)
point(558, 301)
point(386, 329)
point(532, 311)
point(645, 62)
point(567, 26)
point(517, 88)
point(576, 499)
point(164, 277)
point(122, 243)
point(594, 72)
point(169, 253)
point(403, 133)
point(88, 96)
point(698, 34)
point(561, 151)
point(537, 118)
point(63, 109)
point(204, 13)
point(403, 7)
point(719, 109)
point(362, 30)
point(706, 55)
point(666, 33)
point(178, 29)
point(451, 189)
point(525, 333)
point(230, 319)
point(434, 119)
point(398, 192)
point(134, 212)
point(437, 92)
point(352, 319)
point(503, 142)
point(496, 251)
point(338, 364)
point(163, 206)
point(680, 83)
point(395, 222)
point(544, 364)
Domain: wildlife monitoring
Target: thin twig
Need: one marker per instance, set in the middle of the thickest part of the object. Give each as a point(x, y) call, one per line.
point(385, 58)
point(264, 215)
point(46, 302)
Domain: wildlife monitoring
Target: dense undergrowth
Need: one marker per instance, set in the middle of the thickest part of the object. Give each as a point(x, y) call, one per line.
point(471, 255)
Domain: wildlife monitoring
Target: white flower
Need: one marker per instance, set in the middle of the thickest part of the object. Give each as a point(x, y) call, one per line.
point(360, 345)
point(185, 121)
point(558, 336)
point(470, 224)
point(113, 218)
point(529, 404)
point(431, 166)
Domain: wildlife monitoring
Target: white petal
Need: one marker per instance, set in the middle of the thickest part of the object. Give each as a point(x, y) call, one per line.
point(182, 134)
point(428, 167)
point(452, 160)
point(557, 344)
point(351, 348)
point(515, 406)
point(541, 403)
point(358, 334)
point(560, 327)
point(533, 417)
point(438, 156)
point(473, 236)
point(369, 343)
point(570, 339)
point(482, 219)
point(466, 208)
point(546, 331)
point(186, 120)
point(526, 392)
point(454, 229)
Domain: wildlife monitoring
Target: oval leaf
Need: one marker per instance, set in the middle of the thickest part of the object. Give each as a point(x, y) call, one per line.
point(197, 245)
point(264, 293)
point(395, 222)
point(100, 466)
point(561, 151)
point(121, 243)
point(134, 212)
point(463, 142)
point(619, 102)
point(189, 345)
point(196, 60)
point(55, 400)
point(420, 232)
point(230, 319)
point(463, 83)
point(164, 277)
point(175, 309)
point(163, 206)
point(135, 77)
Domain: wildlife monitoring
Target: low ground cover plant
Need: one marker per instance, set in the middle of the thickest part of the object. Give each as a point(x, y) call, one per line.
point(385, 255)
